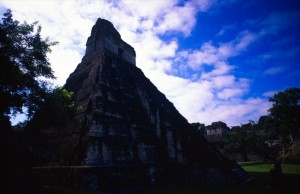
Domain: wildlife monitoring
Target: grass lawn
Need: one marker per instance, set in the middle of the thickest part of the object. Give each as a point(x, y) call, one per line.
point(262, 184)
point(265, 168)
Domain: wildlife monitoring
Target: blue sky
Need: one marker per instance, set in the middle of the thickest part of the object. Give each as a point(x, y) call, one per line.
point(216, 60)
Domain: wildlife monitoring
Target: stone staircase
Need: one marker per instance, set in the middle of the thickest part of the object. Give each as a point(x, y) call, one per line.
point(241, 176)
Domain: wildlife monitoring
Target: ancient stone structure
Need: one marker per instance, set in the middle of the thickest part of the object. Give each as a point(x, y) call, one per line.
point(128, 134)
point(216, 131)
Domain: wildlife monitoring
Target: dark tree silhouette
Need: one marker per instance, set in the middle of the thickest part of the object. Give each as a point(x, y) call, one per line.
point(286, 111)
point(57, 110)
point(24, 64)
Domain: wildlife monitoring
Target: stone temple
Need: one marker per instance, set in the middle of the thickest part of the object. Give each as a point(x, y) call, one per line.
point(128, 134)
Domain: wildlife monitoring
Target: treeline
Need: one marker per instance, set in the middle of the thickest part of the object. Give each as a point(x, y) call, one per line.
point(272, 136)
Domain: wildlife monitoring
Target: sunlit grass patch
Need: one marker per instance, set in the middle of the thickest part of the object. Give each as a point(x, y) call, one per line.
point(265, 168)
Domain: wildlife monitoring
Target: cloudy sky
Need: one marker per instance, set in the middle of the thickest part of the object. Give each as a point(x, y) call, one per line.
point(216, 60)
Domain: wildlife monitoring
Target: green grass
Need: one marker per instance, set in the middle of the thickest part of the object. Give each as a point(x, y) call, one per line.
point(259, 168)
point(265, 168)
point(252, 163)
point(262, 184)
point(291, 169)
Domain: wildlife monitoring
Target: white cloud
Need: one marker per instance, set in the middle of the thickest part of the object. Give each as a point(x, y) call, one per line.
point(178, 19)
point(209, 54)
point(205, 95)
point(223, 81)
point(220, 68)
point(228, 93)
point(274, 70)
point(269, 94)
point(225, 29)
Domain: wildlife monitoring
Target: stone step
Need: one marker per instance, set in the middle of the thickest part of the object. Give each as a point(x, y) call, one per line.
point(241, 176)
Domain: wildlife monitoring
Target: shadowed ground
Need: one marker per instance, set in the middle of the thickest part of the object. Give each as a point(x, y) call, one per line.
point(262, 184)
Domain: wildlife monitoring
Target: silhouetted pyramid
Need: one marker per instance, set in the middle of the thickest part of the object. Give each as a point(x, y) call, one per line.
point(129, 134)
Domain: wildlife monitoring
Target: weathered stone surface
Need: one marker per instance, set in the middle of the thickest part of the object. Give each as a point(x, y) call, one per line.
point(216, 131)
point(127, 129)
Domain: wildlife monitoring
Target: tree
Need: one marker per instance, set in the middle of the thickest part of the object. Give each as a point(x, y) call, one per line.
point(24, 66)
point(57, 110)
point(243, 139)
point(286, 111)
point(199, 127)
point(268, 128)
point(237, 141)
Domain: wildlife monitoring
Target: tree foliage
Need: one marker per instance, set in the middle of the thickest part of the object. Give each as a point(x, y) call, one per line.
point(199, 127)
point(281, 125)
point(57, 110)
point(24, 66)
point(242, 139)
point(286, 110)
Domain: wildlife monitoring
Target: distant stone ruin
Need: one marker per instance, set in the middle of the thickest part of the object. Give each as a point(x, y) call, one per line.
point(215, 132)
point(128, 134)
